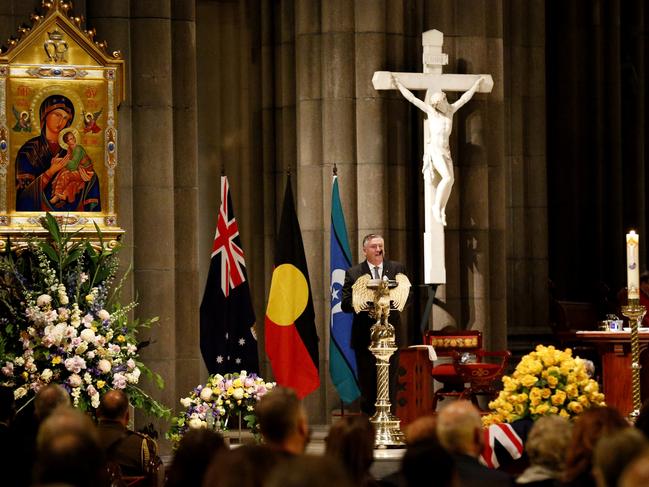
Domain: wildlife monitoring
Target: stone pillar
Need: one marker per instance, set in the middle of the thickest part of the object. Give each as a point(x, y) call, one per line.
point(527, 242)
point(153, 184)
point(185, 178)
point(313, 177)
point(111, 20)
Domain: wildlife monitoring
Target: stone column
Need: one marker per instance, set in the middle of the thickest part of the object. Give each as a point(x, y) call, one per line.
point(153, 183)
point(527, 242)
point(188, 361)
point(111, 20)
point(313, 176)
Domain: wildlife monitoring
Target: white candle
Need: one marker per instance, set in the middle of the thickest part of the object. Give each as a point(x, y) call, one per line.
point(632, 266)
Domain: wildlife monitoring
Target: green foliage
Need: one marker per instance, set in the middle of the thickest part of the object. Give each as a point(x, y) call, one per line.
point(62, 321)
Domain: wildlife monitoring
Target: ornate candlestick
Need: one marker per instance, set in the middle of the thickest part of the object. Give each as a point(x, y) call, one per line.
point(386, 295)
point(635, 312)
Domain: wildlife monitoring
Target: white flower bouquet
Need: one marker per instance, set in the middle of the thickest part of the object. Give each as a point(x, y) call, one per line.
point(61, 322)
point(215, 404)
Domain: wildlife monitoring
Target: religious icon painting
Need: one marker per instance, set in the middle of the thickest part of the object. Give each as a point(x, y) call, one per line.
point(59, 95)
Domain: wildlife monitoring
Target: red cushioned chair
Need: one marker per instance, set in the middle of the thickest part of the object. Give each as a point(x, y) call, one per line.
point(482, 376)
point(446, 343)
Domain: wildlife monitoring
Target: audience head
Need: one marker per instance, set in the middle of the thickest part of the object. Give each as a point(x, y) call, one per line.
point(65, 420)
point(114, 407)
point(194, 454)
point(309, 470)
point(246, 466)
point(70, 458)
point(459, 428)
point(48, 399)
point(7, 404)
point(421, 429)
point(614, 452)
point(425, 456)
point(637, 472)
point(351, 441)
point(547, 442)
point(282, 420)
point(587, 429)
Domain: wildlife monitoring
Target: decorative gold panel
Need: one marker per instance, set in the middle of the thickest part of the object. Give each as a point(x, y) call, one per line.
point(59, 95)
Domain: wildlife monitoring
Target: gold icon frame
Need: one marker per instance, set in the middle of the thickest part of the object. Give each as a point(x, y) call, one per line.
point(56, 58)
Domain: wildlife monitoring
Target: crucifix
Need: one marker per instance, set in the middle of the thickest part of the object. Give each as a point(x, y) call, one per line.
point(437, 164)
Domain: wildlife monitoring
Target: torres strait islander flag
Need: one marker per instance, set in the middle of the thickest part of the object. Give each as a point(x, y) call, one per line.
point(342, 358)
point(291, 338)
point(228, 341)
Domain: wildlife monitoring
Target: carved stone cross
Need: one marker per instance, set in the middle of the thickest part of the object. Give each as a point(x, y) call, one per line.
point(433, 81)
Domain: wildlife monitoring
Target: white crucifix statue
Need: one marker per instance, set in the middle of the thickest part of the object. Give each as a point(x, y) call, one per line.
point(437, 166)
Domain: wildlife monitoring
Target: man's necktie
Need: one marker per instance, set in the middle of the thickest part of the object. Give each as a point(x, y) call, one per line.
point(376, 273)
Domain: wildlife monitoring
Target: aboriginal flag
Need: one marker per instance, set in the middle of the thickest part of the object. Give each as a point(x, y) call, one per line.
point(228, 341)
point(291, 338)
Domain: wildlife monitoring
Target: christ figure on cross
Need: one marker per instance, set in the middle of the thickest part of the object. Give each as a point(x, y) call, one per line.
point(437, 152)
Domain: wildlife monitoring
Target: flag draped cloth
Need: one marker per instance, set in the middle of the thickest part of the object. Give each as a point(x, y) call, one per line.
point(291, 338)
point(228, 340)
point(342, 359)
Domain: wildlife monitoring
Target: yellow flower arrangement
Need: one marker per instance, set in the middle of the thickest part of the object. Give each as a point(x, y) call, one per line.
point(546, 381)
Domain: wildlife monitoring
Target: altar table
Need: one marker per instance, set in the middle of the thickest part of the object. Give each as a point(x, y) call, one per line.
point(614, 348)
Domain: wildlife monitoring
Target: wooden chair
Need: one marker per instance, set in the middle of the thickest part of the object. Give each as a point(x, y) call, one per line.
point(481, 377)
point(446, 342)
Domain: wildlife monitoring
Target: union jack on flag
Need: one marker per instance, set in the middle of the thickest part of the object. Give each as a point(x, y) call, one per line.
point(228, 342)
point(228, 244)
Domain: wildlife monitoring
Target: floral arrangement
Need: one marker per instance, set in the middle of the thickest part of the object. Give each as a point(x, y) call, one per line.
point(215, 404)
point(546, 381)
point(61, 322)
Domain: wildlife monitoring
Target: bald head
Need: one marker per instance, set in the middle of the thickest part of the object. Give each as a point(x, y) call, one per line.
point(421, 429)
point(64, 420)
point(48, 399)
point(459, 428)
point(113, 406)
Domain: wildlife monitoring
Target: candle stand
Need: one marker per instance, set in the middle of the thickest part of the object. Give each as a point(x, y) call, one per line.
point(635, 312)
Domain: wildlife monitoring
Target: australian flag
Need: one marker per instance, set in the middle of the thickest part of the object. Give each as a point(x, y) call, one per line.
point(228, 339)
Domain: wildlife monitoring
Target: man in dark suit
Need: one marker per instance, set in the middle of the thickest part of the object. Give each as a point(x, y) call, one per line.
point(378, 267)
point(459, 429)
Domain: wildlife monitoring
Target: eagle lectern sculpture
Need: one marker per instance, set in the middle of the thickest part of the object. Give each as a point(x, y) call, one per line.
point(379, 297)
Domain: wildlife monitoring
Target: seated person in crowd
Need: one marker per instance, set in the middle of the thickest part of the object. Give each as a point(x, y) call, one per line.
point(136, 453)
point(459, 429)
point(68, 451)
point(351, 441)
point(588, 428)
point(282, 421)
point(196, 450)
point(614, 453)
point(309, 470)
point(546, 447)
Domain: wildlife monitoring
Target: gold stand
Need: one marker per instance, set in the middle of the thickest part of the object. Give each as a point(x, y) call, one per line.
point(387, 426)
point(635, 312)
point(378, 296)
